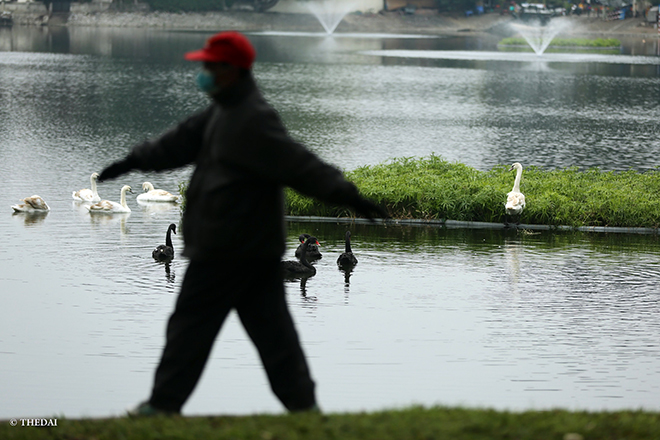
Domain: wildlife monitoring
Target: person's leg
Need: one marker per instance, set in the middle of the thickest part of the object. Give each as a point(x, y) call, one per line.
point(201, 308)
point(266, 318)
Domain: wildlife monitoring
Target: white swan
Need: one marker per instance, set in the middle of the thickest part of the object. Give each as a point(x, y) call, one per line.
point(108, 207)
point(155, 195)
point(515, 200)
point(88, 195)
point(31, 204)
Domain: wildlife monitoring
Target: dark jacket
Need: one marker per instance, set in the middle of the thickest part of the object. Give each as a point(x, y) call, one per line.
point(244, 158)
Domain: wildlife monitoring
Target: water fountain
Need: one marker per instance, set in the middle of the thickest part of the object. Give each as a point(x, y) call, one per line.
point(539, 35)
point(330, 12)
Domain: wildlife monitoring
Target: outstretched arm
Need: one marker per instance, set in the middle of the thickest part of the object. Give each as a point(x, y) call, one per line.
point(271, 153)
point(176, 148)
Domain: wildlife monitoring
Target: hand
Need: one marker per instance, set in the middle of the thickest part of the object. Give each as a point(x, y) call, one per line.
point(116, 169)
point(369, 209)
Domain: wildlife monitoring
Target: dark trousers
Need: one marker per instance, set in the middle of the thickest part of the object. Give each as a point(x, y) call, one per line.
point(210, 290)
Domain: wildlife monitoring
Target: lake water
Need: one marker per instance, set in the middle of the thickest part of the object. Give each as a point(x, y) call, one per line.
point(479, 318)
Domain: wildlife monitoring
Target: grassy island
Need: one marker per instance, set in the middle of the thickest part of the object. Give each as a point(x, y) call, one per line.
point(432, 188)
point(411, 423)
point(565, 44)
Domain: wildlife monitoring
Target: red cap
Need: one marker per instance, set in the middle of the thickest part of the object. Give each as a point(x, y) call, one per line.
point(226, 47)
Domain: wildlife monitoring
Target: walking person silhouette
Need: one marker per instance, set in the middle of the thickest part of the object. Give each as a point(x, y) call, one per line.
point(233, 226)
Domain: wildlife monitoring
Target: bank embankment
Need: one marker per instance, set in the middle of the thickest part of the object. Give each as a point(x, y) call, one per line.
point(424, 21)
point(248, 21)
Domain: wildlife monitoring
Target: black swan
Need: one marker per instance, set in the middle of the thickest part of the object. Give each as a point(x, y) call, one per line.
point(165, 252)
point(347, 259)
point(303, 267)
point(312, 253)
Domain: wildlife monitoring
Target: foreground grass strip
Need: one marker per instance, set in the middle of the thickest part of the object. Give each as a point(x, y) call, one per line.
point(433, 189)
point(411, 423)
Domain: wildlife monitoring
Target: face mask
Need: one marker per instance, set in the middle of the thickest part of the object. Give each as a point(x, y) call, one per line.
point(206, 81)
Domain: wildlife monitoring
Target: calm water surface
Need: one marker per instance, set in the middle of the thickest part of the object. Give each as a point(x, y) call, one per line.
point(429, 316)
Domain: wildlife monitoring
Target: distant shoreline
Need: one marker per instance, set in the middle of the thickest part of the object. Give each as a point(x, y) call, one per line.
point(386, 22)
point(423, 22)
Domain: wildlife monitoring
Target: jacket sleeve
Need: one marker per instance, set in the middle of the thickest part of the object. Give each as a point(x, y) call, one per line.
point(177, 147)
point(271, 153)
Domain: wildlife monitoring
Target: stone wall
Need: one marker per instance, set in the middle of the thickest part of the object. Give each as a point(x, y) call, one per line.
point(26, 13)
point(24, 7)
point(90, 7)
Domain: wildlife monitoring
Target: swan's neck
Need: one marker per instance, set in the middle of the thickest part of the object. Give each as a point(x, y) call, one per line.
point(347, 248)
point(516, 183)
point(93, 183)
point(168, 238)
point(122, 200)
point(303, 256)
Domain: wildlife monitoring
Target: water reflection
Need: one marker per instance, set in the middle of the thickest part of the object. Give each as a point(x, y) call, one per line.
point(483, 109)
point(303, 288)
point(521, 57)
point(157, 207)
point(342, 35)
point(119, 220)
point(347, 281)
point(594, 64)
point(512, 252)
point(169, 273)
point(31, 218)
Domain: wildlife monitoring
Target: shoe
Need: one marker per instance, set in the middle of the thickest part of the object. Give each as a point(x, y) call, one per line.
point(314, 409)
point(146, 409)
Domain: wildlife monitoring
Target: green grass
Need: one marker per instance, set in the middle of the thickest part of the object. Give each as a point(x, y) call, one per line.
point(567, 42)
point(574, 45)
point(432, 188)
point(435, 189)
point(411, 423)
point(183, 186)
point(556, 49)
